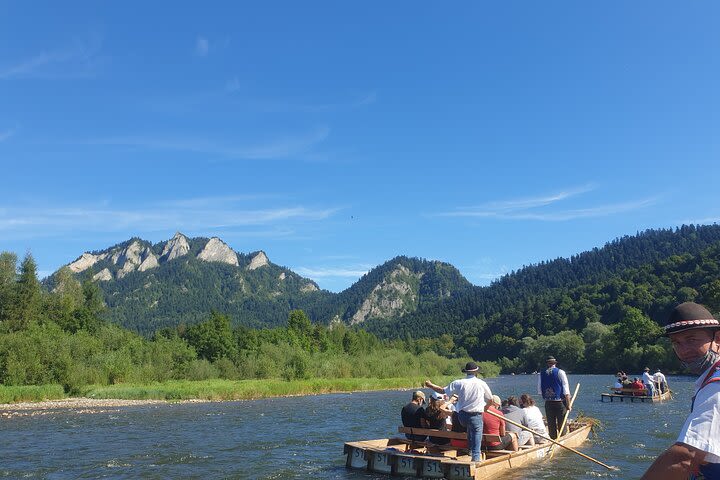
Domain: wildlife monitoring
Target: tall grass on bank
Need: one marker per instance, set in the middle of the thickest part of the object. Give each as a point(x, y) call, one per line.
point(30, 393)
point(248, 389)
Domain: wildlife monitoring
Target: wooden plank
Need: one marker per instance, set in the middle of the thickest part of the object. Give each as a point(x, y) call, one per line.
point(444, 434)
point(433, 433)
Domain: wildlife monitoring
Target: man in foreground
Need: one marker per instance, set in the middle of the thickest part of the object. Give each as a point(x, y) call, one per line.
point(695, 337)
point(554, 388)
point(474, 396)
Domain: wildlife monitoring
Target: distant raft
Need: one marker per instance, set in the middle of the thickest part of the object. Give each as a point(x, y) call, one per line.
point(400, 456)
point(626, 395)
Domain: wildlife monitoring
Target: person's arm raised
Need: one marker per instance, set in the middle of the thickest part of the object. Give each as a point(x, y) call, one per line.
point(432, 386)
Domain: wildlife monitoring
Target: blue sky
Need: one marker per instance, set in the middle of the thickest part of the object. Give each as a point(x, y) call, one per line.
point(336, 135)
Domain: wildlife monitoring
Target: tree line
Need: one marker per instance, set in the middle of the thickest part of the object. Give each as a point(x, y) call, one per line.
point(59, 336)
point(601, 309)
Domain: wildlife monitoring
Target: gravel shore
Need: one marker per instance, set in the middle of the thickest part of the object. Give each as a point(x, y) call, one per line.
point(75, 405)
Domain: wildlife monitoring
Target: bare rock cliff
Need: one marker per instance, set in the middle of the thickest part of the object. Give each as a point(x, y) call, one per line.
point(177, 246)
point(259, 260)
point(217, 251)
point(103, 275)
point(393, 296)
point(86, 261)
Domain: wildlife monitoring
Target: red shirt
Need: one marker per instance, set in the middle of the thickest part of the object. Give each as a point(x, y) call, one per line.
point(491, 425)
point(638, 386)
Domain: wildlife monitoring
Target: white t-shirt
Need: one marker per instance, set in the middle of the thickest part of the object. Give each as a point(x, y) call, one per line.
point(535, 419)
point(472, 393)
point(659, 377)
point(647, 378)
point(702, 427)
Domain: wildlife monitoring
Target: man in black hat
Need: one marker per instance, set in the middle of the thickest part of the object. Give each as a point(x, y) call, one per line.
point(474, 397)
point(695, 337)
point(554, 388)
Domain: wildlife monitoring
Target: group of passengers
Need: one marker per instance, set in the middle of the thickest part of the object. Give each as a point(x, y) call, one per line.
point(647, 384)
point(440, 414)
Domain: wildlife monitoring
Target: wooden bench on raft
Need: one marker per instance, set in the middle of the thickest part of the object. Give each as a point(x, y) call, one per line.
point(631, 391)
point(457, 436)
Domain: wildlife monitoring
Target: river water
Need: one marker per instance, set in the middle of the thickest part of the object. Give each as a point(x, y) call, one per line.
point(302, 437)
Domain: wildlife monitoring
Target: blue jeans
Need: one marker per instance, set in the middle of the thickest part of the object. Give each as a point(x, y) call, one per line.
point(474, 425)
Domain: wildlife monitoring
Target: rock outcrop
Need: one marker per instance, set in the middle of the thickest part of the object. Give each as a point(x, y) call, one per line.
point(134, 257)
point(259, 260)
point(391, 297)
point(86, 261)
point(176, 247)
point(103, 275)
point(309, 287)
point(217, 251)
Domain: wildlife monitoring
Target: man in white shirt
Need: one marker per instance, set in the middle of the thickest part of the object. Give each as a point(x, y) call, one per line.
point(474, 396)
point(649, 382)
point(695, 337)
point(660, 381)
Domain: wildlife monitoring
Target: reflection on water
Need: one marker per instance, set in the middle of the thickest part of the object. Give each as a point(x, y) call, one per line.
point(302, 437)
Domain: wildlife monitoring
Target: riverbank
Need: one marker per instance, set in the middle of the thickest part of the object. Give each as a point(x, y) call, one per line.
point(49, 397)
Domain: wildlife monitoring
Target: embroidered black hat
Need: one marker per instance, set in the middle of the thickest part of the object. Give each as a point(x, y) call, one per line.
point(688, 316)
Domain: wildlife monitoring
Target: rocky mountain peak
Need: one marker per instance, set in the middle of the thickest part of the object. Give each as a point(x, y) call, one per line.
point(217, 251)
point(135, 256)
point(177, 246)
point(86, 261)
point(259, 260)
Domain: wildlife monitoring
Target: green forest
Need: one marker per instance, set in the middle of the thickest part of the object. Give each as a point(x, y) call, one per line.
point(597, 312)
point(60, 337)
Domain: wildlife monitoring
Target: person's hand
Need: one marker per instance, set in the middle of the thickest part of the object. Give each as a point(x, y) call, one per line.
point(428, 383)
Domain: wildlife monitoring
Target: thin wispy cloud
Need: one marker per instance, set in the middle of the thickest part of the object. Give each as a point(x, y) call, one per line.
point(184, 215)
point(283, 147)
point(202, 46)
point(544, 208)
point(75, 60)
point(322, 272)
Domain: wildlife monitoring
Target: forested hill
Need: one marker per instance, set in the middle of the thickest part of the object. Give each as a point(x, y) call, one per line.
point(648, 273)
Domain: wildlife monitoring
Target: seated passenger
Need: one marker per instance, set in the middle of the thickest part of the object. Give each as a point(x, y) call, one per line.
point(534, 416)
point(638, 386)
point(413, 415)
point(436, 416)
point(513, 412)
point(493, 425)
point(618, 384)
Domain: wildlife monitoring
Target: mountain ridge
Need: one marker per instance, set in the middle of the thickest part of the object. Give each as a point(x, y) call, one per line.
point(149, 286)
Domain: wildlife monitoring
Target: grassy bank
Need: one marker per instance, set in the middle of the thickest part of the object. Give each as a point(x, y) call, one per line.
point(247, 389)
point(31, 393)
point(214, 389)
